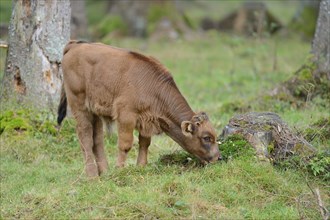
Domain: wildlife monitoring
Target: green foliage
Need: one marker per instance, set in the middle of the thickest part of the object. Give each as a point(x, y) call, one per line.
point(96, 11)
point(320, 166)
point(323, 86)
point(235, 146)
point(13, 122)
point(168, 10)
point(158, 11)
point(48, 127)
point(306, 22)
point(31, 123)
point(235, 106)
point(319, 130)
point(5, 11)
point(293, 162)
point(3, 52)
point(303, 83)
point(109, 24)
point(180, 158)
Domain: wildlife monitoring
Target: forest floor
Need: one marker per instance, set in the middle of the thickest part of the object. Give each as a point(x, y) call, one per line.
point(41, 169)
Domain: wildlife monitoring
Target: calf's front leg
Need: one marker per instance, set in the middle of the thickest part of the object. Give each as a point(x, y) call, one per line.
point(125, 141)
point(144, 143)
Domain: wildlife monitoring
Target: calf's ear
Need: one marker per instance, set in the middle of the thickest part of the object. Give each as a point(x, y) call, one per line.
point(187, 128)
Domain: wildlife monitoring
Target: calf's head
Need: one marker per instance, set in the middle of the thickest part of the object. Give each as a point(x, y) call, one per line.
point(201, 138)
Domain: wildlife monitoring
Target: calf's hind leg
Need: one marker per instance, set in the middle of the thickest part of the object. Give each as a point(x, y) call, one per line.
point(85, 135)
point(98, 147)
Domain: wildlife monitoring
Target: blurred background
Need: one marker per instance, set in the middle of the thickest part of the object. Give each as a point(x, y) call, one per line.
point(227, 58)
point(226, 50)
point(222, 54)
point(243, 46)
point(108, 21)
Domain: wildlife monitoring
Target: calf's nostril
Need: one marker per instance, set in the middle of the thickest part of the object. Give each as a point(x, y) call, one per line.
point(220, 158)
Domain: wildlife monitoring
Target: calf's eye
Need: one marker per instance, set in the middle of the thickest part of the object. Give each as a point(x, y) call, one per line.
point(207, 139)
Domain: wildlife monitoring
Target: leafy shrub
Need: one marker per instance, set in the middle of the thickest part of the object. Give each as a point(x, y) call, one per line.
point(320, 166)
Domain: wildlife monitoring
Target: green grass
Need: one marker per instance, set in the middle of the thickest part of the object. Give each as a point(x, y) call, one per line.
point(47, 182)
point(41, 169)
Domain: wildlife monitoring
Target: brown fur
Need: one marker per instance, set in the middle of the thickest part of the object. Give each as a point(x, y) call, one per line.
point(136, 91)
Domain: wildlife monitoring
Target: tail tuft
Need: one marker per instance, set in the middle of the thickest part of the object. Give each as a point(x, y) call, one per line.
point(62, 107)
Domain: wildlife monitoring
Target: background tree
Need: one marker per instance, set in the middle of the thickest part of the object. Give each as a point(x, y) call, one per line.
point(38, 32)
point(133, 14)
point(321, 42)
point(79, 27)
point(155, 19)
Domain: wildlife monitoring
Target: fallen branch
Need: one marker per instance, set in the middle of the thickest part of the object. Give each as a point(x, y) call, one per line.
point(323, 210)
point(3, 44)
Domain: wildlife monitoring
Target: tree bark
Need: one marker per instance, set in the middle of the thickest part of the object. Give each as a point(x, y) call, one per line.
point(38, 32)
point(321, 42)
point(78, 19)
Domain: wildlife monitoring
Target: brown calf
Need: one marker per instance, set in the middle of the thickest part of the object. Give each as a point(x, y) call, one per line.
point(107, 83)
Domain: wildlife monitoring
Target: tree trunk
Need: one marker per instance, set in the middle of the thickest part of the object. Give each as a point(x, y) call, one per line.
point(78, 19)
point(38, 32)
point(321, 42)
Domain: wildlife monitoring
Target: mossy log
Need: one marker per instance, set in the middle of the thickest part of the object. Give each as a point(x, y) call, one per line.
point(269, 135)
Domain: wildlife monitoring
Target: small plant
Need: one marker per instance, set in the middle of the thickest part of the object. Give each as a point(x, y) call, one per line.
point(236, 146)
point(320, 166)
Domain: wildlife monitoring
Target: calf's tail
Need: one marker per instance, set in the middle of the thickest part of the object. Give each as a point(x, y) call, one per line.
point(62, 107)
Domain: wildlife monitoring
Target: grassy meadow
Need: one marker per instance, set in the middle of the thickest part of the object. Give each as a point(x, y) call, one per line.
point(41, 166)
point(41, 169)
